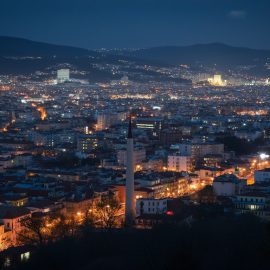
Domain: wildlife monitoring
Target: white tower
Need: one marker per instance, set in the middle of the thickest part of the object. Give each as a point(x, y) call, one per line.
point(130, 202)
point(62, 75)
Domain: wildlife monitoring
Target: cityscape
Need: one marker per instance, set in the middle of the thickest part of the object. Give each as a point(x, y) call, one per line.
point(154, 157)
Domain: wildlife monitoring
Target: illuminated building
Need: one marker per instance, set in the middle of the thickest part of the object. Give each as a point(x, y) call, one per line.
point(217, 81)
point(253, 112)
point(86, 143)
point(151, 125)
point(151, 206)
point(51, 139)
point(179, 163)
point(212, 160)
point(105, 120)
point(62, 75)
point(15, 200)
point(253, 202)
point(11, 217)
point(131, 96)
point(5, 238)
point(32, 99)
point(86, 130)
point(163, 184)
point(198, 150)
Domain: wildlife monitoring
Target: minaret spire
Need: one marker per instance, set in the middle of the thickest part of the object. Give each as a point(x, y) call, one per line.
point(130, 200)
point(129, 136)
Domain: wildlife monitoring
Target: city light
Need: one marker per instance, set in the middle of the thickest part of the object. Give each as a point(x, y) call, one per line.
point(264, 156)
point(43, 113)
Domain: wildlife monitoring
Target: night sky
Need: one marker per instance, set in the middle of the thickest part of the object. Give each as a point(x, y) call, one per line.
point(138, 23)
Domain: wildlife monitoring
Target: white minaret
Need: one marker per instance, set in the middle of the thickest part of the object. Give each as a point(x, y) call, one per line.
point(130, 202)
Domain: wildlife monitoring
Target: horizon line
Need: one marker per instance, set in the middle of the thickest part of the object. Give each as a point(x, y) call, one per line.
point(135, 48)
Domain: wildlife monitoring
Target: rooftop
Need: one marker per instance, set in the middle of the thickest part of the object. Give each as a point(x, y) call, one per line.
point(227, 178)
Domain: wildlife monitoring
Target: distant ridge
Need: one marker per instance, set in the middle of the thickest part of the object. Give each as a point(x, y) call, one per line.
point(12, 47)
point(218, 54)
point(207, 54)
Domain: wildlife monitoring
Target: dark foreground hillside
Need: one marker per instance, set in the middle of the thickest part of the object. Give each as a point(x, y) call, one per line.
point(223, 243)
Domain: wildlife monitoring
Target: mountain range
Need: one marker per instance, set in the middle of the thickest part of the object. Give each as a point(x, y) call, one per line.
point(22, 56)
point(12, 47)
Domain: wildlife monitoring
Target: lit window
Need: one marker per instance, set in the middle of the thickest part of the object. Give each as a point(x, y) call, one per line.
point(25, 256)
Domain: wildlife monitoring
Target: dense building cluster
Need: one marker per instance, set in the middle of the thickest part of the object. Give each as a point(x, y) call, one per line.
point(63, 149)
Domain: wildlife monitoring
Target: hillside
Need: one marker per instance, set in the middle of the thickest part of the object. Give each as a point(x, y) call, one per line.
point(12, 47)
point(207, 54)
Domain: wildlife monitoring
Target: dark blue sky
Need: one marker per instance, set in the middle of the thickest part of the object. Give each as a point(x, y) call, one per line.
point(138, 23)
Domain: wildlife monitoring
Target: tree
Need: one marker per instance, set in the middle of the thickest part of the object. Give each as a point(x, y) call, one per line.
point(35, 231)
point(88, 222)
point(63, 226)
point(43, 229)
point(5, 241)
point(106, 212)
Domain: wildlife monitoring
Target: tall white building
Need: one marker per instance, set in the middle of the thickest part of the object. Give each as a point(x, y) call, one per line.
point(151, 206)
point(179, 163)
point(198, 150)
point(62, 75)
